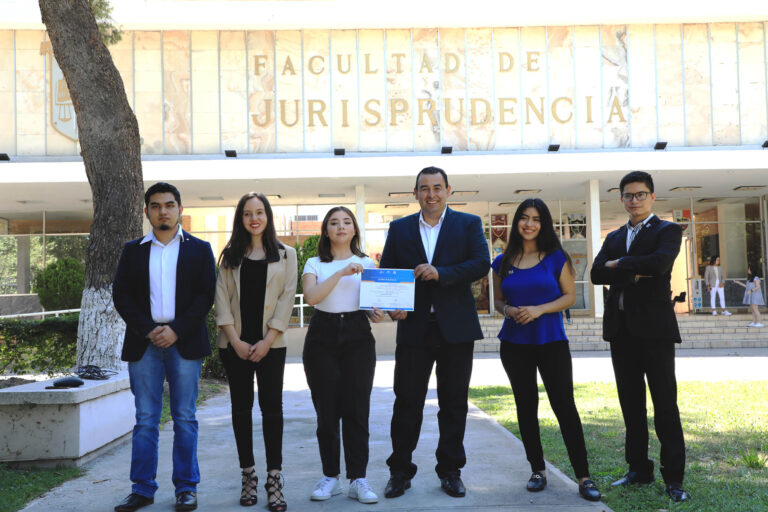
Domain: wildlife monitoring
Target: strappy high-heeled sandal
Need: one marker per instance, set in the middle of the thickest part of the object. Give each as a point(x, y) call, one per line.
point(248, 496)
point(274, 487)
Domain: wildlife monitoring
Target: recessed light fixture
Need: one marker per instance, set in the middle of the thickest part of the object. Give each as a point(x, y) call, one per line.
point(464, 192)
point(339, 151)
point(685, 188)
point(660, 146)
point(85, 200)
point(330, 195)
point(446, 150)
point(749, 187)
point(457, 204)
point(400, 194)
point(508, 204)
point(613, 189)
point(707, 200)
point(528, 191)
point(29, 201)
point(274, 196)
point(230, 153)
point(211, 198)
point(553, 148)
point(396, 205)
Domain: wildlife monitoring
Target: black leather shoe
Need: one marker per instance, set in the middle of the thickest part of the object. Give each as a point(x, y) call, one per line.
point(133, 502)
point(537, 482)
point(633, 477)
point(676, 493)
point(453, 486)
point(589, 490)
point(396, 486)
point(187, 500)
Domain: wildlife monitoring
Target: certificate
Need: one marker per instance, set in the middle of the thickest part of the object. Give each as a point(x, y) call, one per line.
point(387, 289)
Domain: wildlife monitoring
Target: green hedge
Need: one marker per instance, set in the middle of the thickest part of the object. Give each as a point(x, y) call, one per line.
point(60, 285)
point(50, 346)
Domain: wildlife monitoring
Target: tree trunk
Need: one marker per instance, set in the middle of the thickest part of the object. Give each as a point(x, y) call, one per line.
point(110, 147)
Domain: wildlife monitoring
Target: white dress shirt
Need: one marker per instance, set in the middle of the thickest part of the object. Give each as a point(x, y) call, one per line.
point(162, 276)
point(429, 234)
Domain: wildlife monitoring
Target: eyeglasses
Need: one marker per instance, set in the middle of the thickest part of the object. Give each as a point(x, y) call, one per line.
point(640, 196)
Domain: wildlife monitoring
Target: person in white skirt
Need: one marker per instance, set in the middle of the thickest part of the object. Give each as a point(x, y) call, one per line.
point(715, 281)
point(340, 355)
point(753, 295)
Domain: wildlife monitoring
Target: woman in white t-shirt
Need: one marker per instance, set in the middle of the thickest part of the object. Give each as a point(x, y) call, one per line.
point(340, 354)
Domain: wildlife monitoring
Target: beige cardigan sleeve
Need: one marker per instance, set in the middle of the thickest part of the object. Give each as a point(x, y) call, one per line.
point(286, 298)
point(222, 301)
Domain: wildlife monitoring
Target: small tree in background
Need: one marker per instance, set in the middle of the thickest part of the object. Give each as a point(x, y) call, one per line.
point(303, 252)
point(60, 285)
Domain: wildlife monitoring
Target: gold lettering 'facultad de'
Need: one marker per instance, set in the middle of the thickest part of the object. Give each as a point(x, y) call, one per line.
point(454, 109)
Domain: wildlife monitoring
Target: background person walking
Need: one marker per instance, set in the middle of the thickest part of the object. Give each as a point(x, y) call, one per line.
point(715, 281)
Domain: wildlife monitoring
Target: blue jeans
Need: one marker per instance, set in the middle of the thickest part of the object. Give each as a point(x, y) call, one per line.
point(147, 376)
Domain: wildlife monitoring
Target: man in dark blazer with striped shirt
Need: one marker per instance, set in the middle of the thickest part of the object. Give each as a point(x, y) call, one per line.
point(448, 251)
point(639, 322)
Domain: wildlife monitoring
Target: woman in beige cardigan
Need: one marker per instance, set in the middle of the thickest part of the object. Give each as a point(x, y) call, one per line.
point(254, 299)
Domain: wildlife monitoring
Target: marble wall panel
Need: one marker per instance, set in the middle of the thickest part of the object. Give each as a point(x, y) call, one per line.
point(698, 107)
point(234, 91)
point(426, 93)
point(261, 91)
point(587, 64)
point(752, 86)
point(534, 111)
point(453, 77)
point(177, 101)
point(562, 125)
point(290, 124)
point(641, 66)
point(669, 69)
point(31, 97)
point(399, 91)
point(122, 56)
point(480, 89)
point(345, 94)
point(615, 86)
point(507, 70)
point(317, 91)
point(725, 84)
point(7, 93)
point(205, 92)
point(373, 90)
point(148, 86)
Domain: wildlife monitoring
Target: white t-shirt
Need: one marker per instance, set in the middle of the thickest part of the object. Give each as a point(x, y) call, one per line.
point(345, 296)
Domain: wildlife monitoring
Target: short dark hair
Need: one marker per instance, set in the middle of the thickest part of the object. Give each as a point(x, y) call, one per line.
point(431, 170)
point(636, 177)
point(160, 188)
point(713, 259)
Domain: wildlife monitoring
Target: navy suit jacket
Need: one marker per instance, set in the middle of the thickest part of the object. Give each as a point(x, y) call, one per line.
point(461, 257)
point(195, 290)
point(648, 309)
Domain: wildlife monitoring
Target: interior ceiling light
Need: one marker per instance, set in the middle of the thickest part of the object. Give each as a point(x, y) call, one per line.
point(400, 194)
point(707, 200)
point(528, 191)
point(613, 189)
point(749, 187)
point(464, 193)
point(330, 195)
point(457, 204)
point(508, 204)
point(274, 196)
point(396, 205)
point(211, 198)
point(685, 188)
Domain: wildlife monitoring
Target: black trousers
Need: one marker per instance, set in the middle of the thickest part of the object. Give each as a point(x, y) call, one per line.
point(269, 380)
point(413, 367)
point(339, 362)
point(634, 360)
point(553, 360)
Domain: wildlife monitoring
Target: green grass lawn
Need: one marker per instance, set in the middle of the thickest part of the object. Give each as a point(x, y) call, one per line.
point(726, 437)
point(19, 486)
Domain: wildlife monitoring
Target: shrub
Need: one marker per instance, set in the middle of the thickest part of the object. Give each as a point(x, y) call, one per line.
point(60, 285)
point(30, 346)
point(212, 366)
point(307, 250)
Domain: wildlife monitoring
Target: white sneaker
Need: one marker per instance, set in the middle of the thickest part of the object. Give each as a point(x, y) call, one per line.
point(325, 488)
point(714, 313)
point(751, 324)
point(726, 312)
point(758, 325)
point(361, 491)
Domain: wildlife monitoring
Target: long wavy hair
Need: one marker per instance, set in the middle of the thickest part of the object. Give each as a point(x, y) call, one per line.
point(324, 244)
point(547, 240)
point(240, 240)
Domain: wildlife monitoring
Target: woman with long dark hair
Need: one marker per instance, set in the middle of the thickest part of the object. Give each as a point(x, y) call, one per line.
point(533, 283)
point(340, 354)
point(753, 295)
point(254, 299)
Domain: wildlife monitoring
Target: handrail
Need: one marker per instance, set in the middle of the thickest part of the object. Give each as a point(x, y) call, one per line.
point(40, 313)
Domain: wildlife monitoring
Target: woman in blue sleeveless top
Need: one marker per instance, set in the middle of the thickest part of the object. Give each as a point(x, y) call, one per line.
point(533, 283)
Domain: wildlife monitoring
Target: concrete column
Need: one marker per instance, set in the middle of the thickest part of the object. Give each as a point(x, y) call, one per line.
point(732, 240)
point(360, 212)
point(23, 272)
point(593, 241)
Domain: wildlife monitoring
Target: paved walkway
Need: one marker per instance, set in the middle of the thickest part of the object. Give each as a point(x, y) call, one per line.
point(495, 474)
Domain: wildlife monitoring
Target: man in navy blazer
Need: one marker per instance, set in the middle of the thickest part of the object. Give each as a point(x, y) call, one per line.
point(640, 324)
point(448, 251)
point(163, 289)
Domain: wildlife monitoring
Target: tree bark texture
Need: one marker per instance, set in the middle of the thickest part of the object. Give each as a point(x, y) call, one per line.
point(111, 151)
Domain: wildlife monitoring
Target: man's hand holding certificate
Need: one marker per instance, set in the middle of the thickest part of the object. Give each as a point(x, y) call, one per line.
point(387, 289)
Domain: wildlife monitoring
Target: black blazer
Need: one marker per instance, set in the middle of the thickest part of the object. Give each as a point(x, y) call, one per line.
point(461, 257)
point(648, 307)
point(195, 290)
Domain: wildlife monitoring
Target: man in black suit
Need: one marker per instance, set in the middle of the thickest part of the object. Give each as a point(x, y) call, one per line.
point(636, 261)
point(448, 251)
point(163, 289)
